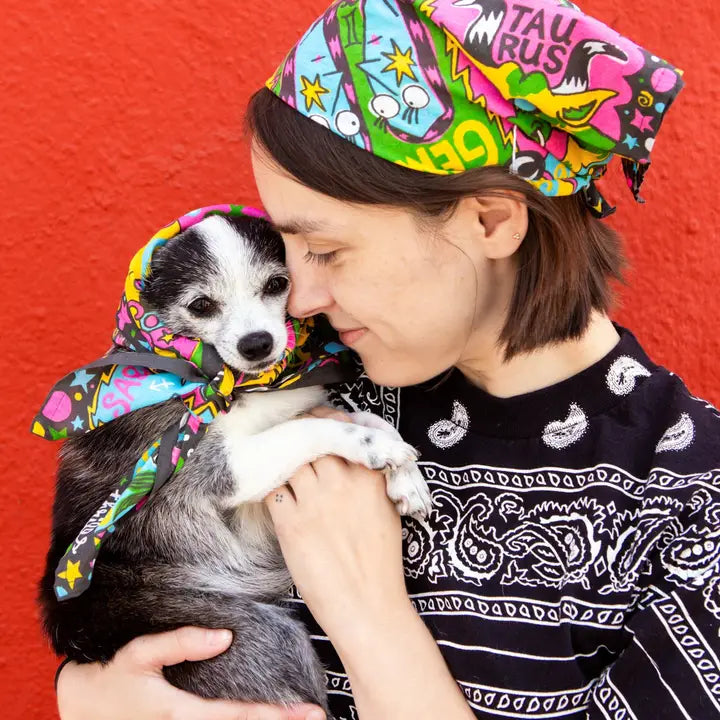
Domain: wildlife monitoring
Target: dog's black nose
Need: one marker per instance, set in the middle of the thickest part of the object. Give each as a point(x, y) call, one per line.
point(256, 346)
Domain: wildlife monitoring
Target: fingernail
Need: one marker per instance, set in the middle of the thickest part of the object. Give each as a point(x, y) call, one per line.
point(218, 637)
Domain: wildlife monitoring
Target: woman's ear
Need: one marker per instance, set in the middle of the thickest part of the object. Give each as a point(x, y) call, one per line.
point(501, 223)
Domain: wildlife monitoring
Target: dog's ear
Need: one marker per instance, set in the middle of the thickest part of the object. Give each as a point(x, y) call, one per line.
point(273, 241)
point(259, 233)
point(277, 238)
point(159, 258)
point(151, 290)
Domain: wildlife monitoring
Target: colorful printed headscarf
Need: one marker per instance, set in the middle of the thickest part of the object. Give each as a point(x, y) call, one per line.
point(148, 365)
point(444, 86)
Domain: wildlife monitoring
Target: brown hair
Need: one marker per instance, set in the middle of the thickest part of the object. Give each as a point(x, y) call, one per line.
point(565, 262)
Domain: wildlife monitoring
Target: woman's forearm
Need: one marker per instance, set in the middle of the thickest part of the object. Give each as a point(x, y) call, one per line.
point(396, 670)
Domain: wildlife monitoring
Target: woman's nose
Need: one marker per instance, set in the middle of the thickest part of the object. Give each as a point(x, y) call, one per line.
point(309, 294)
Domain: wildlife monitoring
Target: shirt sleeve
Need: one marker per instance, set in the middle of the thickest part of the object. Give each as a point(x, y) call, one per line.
point(670, 667)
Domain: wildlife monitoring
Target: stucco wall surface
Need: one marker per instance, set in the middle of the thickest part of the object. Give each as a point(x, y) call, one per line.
point(118, 115)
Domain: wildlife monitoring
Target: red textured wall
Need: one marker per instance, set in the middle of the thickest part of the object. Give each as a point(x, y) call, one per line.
point(118, 115)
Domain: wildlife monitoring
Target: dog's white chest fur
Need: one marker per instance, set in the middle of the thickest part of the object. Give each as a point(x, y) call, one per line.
point(265, 446)
point(259, 411)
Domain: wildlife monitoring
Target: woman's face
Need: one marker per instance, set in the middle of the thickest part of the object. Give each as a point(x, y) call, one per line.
point(405, 298)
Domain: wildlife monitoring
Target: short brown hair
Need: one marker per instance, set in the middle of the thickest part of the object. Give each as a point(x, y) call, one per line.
point(565, 262)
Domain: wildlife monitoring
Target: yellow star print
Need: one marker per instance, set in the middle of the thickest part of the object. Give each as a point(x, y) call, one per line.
point(401, 63)
point(313, 92)
point(71, 574)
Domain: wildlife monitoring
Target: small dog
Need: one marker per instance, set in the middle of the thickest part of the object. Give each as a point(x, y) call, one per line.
point(202, 551)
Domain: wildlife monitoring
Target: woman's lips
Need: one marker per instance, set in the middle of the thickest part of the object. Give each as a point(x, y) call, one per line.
point(348, 337)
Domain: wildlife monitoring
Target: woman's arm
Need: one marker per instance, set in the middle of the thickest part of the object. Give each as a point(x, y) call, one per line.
point(396, 670)
point(341, 538)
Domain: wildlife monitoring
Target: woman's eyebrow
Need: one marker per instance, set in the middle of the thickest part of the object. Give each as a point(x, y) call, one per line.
point(298, 227)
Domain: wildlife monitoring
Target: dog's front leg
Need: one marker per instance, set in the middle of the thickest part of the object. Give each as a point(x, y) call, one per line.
point(262, 462)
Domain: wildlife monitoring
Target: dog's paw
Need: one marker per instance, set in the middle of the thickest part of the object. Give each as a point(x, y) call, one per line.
point(377, 449)
point(408, 489)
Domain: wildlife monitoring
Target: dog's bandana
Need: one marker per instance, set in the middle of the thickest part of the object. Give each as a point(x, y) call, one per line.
point(443, 86)
point(148, 365)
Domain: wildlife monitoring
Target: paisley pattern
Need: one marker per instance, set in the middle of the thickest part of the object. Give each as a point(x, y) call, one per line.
point(678, 437)
point(693, 557)
point(552, 545)
point(569, 568)
point(416, 545)
point(446, 433)
point(563, 433)
point(711, 593)
point(623, 373)
point(638, 535)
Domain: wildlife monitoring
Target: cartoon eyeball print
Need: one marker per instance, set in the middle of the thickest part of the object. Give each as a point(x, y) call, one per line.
point(415, 97)
point(385, 106)
point(347, 123)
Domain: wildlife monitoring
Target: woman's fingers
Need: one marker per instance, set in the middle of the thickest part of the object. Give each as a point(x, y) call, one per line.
point(152, 652)
point(284, 504)
point(197, 709)
point(280, 502)
point(325, 411)
point(132, 685)
point(325, 475)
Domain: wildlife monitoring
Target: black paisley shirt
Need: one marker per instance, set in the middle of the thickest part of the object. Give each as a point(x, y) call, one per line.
point(570, 568)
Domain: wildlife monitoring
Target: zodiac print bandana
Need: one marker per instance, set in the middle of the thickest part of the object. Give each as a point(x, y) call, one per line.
point(148, 365)
point(444, 86)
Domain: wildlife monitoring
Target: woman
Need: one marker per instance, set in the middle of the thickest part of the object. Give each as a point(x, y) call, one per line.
point(432, 167)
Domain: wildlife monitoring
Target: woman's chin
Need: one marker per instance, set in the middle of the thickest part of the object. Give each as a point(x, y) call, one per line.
point(387, 370)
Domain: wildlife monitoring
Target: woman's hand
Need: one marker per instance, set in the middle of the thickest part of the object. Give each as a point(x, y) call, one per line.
point(341, 539)
point(133, 686)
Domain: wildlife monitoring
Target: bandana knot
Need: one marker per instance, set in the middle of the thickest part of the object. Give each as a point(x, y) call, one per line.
point(222, 387)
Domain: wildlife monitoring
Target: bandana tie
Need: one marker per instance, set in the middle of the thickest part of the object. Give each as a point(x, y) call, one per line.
point(445, 86)
point(148, 365)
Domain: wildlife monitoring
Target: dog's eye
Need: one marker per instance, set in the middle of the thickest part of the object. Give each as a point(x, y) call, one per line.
point(276, 285)
point(202, 306)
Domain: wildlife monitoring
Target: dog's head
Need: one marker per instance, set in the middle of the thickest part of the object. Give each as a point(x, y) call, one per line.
point(224, 281)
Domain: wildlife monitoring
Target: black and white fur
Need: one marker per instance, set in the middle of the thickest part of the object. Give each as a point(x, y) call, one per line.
point(202, 550)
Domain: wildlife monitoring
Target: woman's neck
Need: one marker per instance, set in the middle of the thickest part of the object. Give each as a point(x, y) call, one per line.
point(541, 368)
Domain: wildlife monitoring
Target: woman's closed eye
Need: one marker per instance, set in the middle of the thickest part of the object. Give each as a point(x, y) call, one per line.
point(320, 258)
